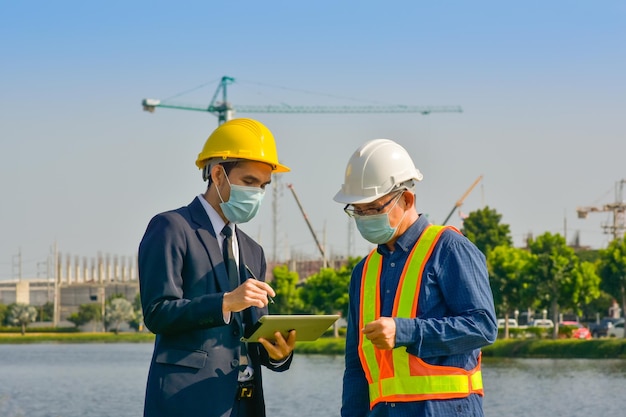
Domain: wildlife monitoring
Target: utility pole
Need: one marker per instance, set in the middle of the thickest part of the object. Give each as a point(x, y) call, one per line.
point(275, 185)
point(57, 288)
point(17, 264)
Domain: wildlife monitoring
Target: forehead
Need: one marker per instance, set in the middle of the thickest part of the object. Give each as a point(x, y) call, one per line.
point(258, 170)
point(376, 203)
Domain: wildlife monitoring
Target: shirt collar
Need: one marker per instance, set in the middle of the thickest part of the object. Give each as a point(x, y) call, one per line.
point(216, 219)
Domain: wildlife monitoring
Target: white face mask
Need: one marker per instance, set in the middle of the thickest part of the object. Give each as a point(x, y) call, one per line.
point(243, 203)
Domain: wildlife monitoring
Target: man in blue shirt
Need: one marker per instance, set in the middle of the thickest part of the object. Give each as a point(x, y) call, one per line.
point(420, 304)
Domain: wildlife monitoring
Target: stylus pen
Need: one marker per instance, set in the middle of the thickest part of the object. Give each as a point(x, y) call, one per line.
point(270, 299)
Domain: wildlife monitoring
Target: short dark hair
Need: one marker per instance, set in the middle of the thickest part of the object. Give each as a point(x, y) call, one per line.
point(228, 166)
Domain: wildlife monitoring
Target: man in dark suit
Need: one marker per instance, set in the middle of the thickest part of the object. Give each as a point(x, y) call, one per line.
point(196, 305)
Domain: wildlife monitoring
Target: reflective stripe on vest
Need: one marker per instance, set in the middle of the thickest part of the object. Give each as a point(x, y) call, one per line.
point(395, 375)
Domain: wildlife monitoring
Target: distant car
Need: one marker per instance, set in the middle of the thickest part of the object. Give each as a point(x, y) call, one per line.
point(512, 323)
point(580, 331)
point(602, 329)
point(542, 323)
point(617, 330)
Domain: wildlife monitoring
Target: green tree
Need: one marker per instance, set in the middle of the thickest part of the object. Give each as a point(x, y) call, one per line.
point(589, 286)
point(484, 229)
point(509, 279)
point(46, 311)
point(21, 315)
point(137, 302)
point(137, 322)
point(285, 283)
point(3, 313)
point(87, 313)
point(118, 311)
point(612, 269)
point(326, 292)
point(558, 275)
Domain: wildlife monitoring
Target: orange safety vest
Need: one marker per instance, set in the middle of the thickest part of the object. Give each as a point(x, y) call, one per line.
point(395, 375)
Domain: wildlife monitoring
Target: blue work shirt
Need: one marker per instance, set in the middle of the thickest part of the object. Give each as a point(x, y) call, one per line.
point(455, 318)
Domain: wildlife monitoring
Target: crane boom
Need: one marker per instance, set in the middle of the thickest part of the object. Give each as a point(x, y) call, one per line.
point(459, 202)
point(308, 223)
point(225, 110)
point(151, 104)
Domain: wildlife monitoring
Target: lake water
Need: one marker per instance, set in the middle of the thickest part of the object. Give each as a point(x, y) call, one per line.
point(101, 380)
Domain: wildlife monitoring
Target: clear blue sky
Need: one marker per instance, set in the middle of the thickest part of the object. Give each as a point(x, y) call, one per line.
point(542, 86)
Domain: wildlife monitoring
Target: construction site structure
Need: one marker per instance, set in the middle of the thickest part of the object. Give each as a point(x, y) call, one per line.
point(617, 227)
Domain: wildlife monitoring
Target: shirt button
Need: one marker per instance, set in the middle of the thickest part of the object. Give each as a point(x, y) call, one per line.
point(234, 363)
point(393, 264)
point(392, 405)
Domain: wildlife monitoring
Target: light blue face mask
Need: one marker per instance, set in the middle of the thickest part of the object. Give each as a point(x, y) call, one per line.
point(243, 203)
point(376, 228)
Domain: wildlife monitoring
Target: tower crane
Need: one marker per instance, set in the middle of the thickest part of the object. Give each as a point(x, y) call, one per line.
point(459, 202)
point(618, 209)
point(224, 110)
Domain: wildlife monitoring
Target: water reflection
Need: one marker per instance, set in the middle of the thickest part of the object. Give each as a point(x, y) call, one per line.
point(96, 380)
point(554, 387)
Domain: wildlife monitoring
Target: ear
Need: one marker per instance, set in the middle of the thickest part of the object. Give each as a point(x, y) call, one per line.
point(409, 199)
point(217, 174)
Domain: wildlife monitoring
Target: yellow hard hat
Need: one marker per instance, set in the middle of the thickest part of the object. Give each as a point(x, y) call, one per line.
point(241, 139)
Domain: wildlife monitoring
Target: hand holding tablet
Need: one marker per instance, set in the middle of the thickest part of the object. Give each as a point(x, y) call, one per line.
point(308, 327)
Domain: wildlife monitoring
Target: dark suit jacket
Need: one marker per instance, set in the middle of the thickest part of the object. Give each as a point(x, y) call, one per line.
point(182, 279)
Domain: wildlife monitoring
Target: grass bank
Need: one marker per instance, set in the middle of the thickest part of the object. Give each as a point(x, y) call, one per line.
point(82, 337)
point(560, 348)
point(513, 348)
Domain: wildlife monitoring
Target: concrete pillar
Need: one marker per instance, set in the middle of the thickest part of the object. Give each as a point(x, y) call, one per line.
point(68, 268)
point(77, 274)
point(22, 292)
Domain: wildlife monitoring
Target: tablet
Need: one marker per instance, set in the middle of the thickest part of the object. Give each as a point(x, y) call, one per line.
point(308, 327)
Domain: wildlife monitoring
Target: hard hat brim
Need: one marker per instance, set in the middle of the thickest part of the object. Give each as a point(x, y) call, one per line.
point(342, 198)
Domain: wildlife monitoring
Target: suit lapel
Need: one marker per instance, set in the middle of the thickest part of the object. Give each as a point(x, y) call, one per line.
point(207, 236)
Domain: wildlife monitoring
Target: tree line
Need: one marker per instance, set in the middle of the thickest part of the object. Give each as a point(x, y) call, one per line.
point(117, 311)
point(546, 274)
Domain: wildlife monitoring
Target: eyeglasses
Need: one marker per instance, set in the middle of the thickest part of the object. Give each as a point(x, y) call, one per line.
point(370, 211)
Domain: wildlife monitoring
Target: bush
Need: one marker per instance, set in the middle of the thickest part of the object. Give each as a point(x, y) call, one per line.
point(10, 329)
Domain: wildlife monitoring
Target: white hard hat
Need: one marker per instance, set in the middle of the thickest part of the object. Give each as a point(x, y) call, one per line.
point(376, 168)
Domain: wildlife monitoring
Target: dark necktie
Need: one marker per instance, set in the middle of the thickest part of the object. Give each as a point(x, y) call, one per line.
point(233, 277)
point(229, 257)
